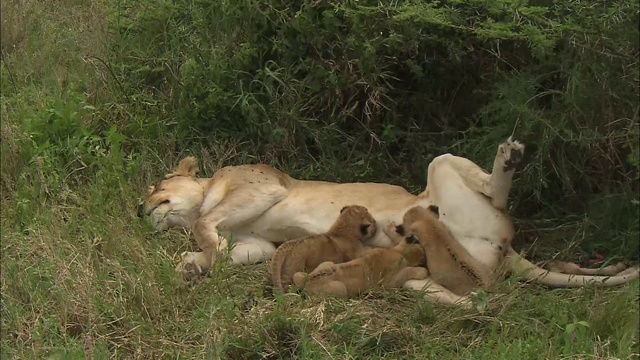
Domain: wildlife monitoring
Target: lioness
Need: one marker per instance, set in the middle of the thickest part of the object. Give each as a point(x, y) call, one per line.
point(389, 268)
point(449, 264)
point(261, 206)
point(343, 242)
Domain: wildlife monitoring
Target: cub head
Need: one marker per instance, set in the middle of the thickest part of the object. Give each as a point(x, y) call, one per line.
point(412, 216)
point(359, 215)
point(176, 200)
point(412, 219)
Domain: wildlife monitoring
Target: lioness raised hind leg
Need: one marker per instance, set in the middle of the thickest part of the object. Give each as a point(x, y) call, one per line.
point(472, 205)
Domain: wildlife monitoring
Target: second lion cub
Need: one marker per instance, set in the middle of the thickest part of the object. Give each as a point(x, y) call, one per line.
point(389, 268)
point(343, 242)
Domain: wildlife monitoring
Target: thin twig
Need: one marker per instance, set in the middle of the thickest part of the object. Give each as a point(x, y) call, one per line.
point(90, 57)
point(13, 79)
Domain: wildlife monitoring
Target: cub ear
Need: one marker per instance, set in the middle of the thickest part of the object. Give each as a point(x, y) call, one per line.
point(343, 209)
point(187, 167)
point(435, 210)
point(413, 239)
point(364, 229)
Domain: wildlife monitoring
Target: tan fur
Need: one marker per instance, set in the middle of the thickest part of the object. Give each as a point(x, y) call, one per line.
point(343, 242)
point(389, 268)
point(575, 269)
point(260, 206)
point(449, 263)
point(187, 167)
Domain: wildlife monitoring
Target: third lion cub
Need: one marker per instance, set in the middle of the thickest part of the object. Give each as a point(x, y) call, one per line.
point(448, 262)
point(343, 242)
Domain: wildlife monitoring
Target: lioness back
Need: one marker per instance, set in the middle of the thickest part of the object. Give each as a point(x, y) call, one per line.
point(343, 242)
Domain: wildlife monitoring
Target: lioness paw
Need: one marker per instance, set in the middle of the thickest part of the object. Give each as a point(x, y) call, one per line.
point(511, 153)
point(464, 302)
point(632, 272)
point(192, 265)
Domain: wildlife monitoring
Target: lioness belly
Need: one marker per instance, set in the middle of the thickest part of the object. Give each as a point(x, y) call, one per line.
point(311, 208)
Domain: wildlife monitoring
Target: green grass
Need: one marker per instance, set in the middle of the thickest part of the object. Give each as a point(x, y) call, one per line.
point(104, 284)
point(82, 277)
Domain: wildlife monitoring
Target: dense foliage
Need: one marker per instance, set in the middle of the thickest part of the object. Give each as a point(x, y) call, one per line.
point(383, 87)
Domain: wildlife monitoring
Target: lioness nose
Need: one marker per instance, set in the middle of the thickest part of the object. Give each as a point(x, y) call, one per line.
point(140, 209)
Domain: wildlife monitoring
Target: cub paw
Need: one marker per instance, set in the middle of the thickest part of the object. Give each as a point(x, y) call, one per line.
point(511, 153)
point(390, 227)
point(300, 279)
point(192, 265)
point(421, 274)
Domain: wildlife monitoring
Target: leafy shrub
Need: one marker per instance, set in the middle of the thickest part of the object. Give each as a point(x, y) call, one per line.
point(378, 85)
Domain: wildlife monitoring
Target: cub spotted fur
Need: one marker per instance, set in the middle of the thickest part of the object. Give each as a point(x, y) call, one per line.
point(389, 267)
point(343, 242)
point(448, 262)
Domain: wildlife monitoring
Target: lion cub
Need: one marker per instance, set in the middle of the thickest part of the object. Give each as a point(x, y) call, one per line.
point(343, 242)
point(449, 264)
point(387, 267)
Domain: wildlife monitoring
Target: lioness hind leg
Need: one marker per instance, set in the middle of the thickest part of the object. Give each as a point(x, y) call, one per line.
point(233, 210)
point(495, 186)
point(472, 175)
point(406, 274)
point(509, 155)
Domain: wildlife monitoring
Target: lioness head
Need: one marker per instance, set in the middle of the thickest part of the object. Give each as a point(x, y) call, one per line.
point(356, 214)
point(176, 200)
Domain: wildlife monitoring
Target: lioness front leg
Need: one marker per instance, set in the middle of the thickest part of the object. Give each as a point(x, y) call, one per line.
point(406, 274)
point(251, 251)
point(438, 294)
point(237, 207)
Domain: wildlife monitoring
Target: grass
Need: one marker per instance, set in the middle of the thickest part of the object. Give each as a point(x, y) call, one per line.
point(100, 288)
point(82, 277)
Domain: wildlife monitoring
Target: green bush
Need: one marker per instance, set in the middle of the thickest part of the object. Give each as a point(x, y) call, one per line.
point(370, 90)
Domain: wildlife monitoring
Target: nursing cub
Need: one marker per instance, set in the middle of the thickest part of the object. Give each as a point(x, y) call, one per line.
point(449, 264)
point(343, 242)
point(388, 268)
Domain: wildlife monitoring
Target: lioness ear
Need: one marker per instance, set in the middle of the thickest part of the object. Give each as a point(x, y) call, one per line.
point(343, 209)
point(187, 167)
